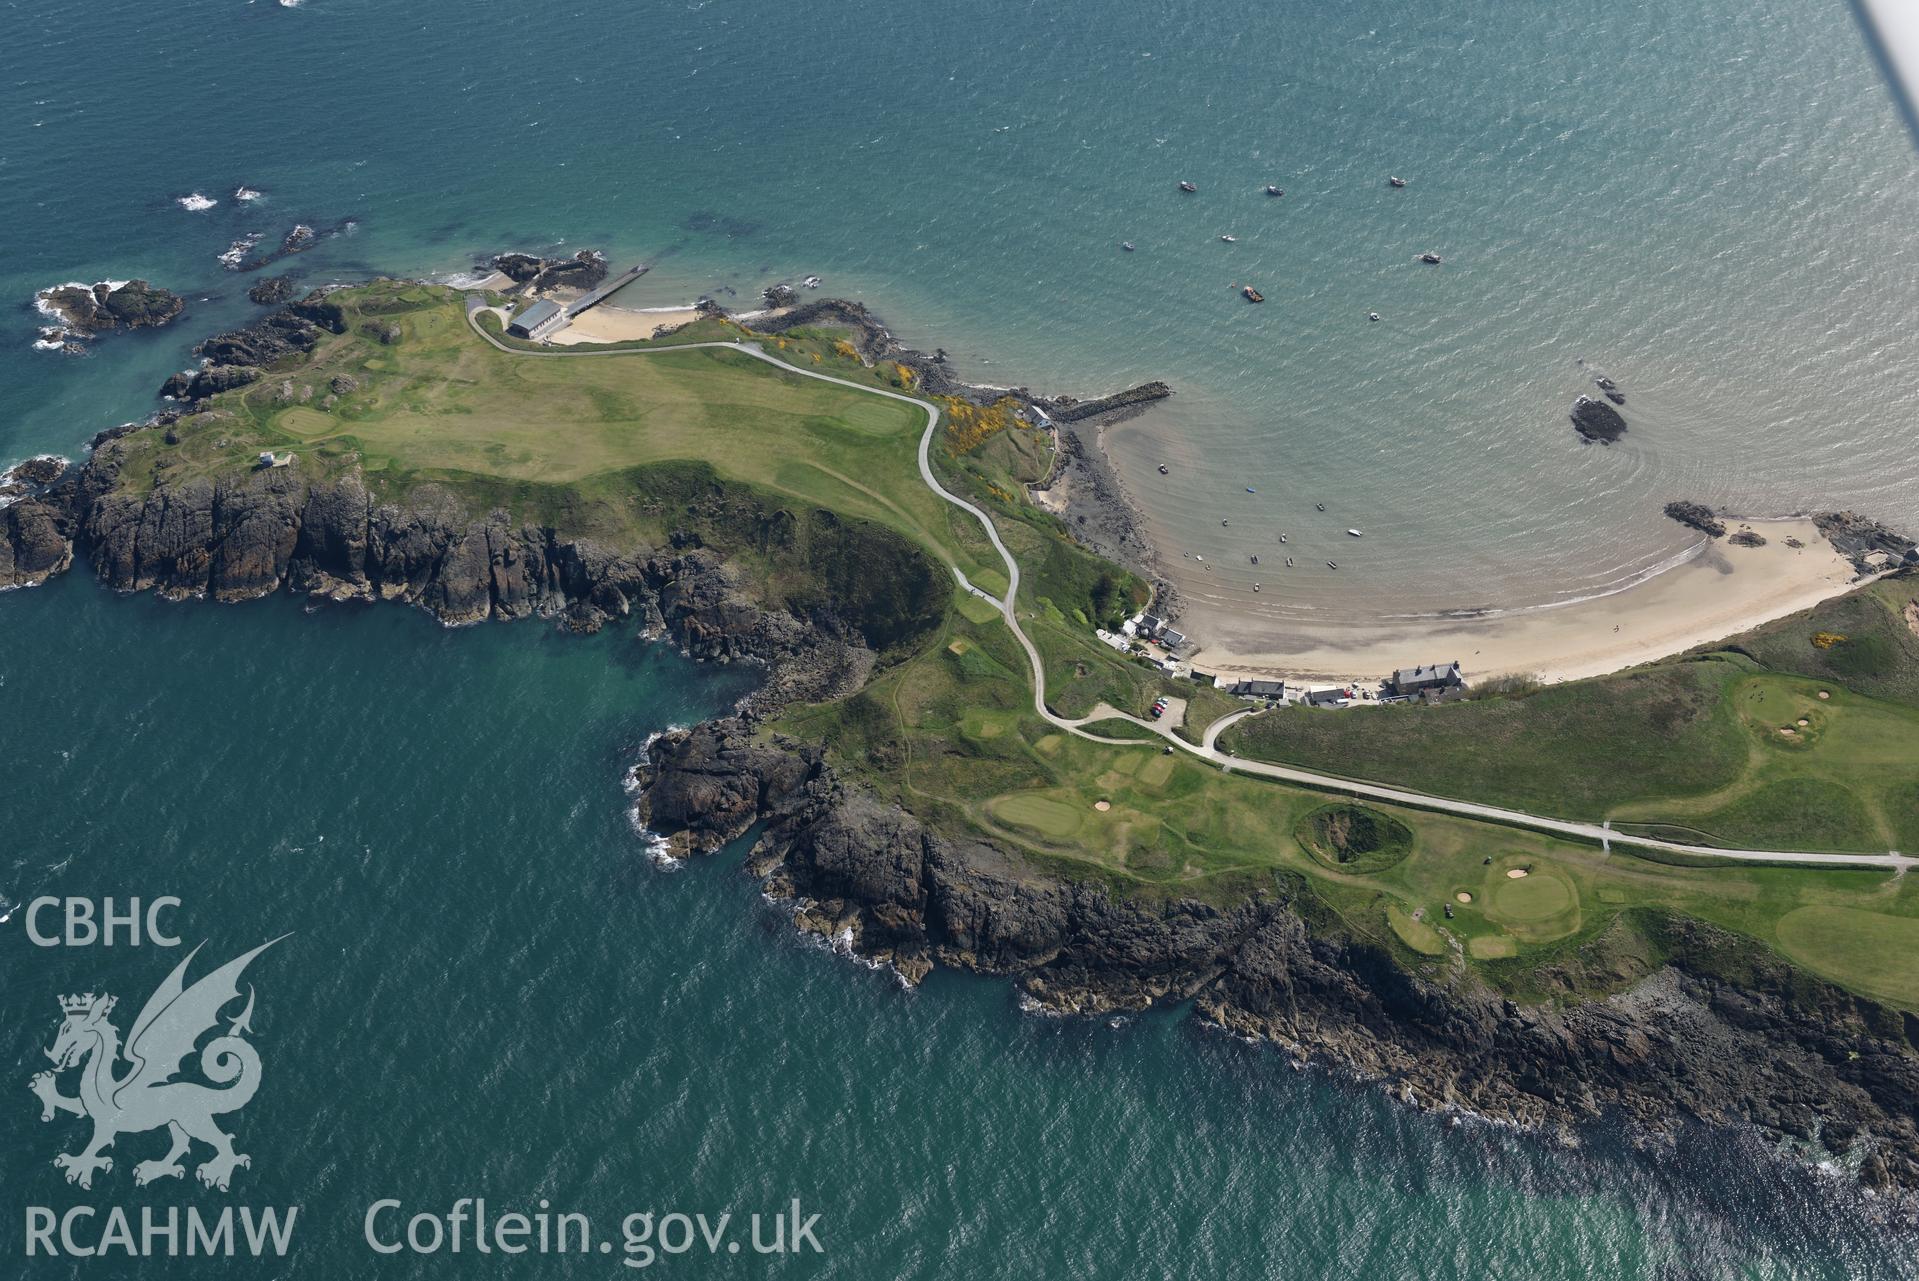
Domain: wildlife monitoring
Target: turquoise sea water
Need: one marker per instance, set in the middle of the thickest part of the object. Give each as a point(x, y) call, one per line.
point(1710, 201)
point(492, 990)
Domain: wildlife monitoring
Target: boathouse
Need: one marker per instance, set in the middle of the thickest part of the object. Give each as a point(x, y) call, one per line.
point(539, 320)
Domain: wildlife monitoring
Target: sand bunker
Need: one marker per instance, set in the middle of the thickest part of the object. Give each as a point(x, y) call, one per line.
point(1824, 694)
point(1803, 722)
point(1463, 897)
point(1102, 806)
point(1517, 873)
point(1789, 731)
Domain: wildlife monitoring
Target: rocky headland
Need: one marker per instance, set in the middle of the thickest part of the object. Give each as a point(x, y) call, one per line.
point(1701, 1025)
point(1704, 1027)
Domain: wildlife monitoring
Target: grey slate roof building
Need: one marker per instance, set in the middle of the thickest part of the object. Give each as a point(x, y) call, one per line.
point(1417, 680)
point(537, 321)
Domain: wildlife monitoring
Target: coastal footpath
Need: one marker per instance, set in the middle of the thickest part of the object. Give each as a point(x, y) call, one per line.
point(1672, 1020)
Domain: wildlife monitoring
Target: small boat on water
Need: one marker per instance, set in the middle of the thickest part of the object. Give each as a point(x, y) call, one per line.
point(1162, 469)
point(1231, 240)
point(1253, 295)
point(1127, 245)
point(1224, 523)
point(1255, 586)
point(1289, 562)
point(1395, 181)
point(1372, 315)
point(1355, 533)
point(1255, 560)
point(1271, 190)
point(1321, 506)
point(1431, 259)
point(1282, 538)
point(1332, 564)
point(1187, 187)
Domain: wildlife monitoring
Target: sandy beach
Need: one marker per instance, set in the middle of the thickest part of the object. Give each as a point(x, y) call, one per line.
point(607, 323)
point(1722, 591)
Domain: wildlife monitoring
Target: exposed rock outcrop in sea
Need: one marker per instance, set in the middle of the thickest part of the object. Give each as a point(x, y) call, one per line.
point(1595, 420)
point(86, 311)
point(1716, 1029)
point(535, 274)
point(1696, 516)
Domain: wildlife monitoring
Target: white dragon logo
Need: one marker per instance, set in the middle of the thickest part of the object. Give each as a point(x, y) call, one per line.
point(147, 1097)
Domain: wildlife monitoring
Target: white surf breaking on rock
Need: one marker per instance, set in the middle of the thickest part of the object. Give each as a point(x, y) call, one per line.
point(659, 851)
point(235, 254)
point(194, 202)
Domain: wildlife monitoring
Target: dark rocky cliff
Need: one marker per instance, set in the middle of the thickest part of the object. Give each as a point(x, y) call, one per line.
point(1716, 1032)
point(248, 534)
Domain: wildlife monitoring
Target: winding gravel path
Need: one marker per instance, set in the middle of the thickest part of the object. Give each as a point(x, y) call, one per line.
point(1597, 833)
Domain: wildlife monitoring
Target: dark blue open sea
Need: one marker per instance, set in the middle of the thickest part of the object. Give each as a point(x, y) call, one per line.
point(491, 990)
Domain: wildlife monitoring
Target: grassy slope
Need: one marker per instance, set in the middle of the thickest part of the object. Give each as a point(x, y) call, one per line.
point(441, 406)
point(632, 447)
